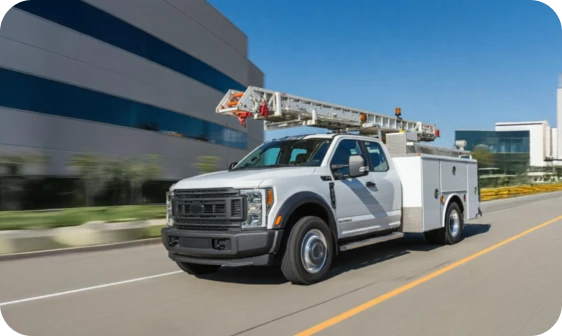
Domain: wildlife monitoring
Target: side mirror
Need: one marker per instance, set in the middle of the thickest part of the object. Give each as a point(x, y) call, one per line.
point(232, 165)
point(357, 166)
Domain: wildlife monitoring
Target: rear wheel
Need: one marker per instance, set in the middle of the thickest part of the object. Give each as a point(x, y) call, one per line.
point(309, 252)
point(197, 269)
point(452, 233)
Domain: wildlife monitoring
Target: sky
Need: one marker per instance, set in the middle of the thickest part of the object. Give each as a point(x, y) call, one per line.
point(458, 64)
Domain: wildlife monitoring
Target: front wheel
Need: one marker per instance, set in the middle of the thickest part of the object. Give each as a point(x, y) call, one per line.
point(309, 252)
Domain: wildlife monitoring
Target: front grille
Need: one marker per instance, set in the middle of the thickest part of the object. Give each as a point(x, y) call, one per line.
point(206, 193)
point(208, 209)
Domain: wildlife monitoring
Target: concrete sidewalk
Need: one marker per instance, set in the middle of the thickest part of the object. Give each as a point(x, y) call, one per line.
point(98, 234)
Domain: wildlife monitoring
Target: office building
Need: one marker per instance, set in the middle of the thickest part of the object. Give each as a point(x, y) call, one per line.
point(519, 145)
point(558, 139)
point(123, 78)
point(511, 149)
point(516, 145)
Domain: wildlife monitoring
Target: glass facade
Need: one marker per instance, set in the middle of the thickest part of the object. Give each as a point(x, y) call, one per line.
point(496, 142)
point(88, 20)
point(26, 92)
point(509, 151)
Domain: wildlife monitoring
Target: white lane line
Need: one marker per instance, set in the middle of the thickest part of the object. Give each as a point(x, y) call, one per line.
point(42, 297)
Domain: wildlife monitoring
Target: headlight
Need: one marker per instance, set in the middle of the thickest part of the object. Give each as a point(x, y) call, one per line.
point(258, 204)
point(169, 219)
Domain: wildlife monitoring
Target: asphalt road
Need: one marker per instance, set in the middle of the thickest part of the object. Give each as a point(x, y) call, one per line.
point(404, 287)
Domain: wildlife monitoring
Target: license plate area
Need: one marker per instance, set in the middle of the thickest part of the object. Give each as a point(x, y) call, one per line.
point(221, 244)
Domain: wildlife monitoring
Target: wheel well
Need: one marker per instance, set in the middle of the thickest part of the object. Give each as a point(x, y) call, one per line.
point(457, 199)
point(308, 209)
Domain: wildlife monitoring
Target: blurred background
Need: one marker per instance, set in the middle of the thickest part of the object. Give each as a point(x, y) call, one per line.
point(105, 104)
point(101, 105)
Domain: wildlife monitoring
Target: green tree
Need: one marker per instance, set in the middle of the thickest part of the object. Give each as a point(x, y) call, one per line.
point(92, 171)
point(484, 156)
point(207, 164)
point(12, 166)
point(130, 173)
point(116, 170)
point(138, 170)
point(14, 163)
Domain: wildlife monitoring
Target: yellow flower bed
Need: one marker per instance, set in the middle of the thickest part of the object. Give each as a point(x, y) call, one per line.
point(488, 194)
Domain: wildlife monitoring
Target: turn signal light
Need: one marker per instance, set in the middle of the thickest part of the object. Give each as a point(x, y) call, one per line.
point(269, 197)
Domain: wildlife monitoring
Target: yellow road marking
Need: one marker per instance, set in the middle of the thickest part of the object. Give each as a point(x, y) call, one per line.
point(354, 311)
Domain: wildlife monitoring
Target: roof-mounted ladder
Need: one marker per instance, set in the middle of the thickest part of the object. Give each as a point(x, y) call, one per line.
point(280, 110)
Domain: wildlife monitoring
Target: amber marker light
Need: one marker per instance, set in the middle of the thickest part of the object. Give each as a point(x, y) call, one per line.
point(269, 197)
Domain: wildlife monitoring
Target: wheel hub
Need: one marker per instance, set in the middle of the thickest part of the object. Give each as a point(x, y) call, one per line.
point(454, 223)
point(314, 251)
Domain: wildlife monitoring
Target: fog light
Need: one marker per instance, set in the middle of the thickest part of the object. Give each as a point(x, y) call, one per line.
point(173, 241)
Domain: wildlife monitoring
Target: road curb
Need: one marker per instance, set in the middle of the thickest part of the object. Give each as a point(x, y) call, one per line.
point(75, 250)
point(92, 236)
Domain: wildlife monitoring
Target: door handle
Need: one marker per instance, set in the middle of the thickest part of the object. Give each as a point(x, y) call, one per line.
point(371, 184)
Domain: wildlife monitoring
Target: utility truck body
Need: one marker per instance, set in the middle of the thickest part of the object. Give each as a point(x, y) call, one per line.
point(297, 202)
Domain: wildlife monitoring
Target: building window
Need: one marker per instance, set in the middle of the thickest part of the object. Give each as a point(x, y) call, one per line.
point(91, 21)
point(509, 149)
point(25, 92)
point(496, 141)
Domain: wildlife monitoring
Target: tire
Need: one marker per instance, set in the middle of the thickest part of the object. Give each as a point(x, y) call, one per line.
point(452, 233)
point(197, 269)
point(311, 232)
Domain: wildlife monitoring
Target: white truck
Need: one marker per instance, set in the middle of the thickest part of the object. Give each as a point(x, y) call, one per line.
point(299, 201)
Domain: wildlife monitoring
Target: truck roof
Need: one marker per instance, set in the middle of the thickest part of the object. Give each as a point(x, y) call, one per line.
point(305, 136)
point(323, 136)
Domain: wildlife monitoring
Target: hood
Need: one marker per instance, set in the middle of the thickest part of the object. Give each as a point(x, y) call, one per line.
point(241, 178)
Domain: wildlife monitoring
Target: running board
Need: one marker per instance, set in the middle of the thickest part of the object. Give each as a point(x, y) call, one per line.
point(371, 241)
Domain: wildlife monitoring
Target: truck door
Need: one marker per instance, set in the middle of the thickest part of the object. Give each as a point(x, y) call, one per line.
point(387, 190)
point(357, 201)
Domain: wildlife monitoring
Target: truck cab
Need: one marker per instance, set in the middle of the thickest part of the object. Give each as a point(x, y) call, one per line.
point(297, 202)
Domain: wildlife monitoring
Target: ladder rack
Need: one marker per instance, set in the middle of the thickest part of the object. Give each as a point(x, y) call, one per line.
point(399, 146)
point(280, 110)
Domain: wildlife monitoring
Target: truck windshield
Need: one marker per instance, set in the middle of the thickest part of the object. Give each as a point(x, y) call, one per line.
point(287, 153)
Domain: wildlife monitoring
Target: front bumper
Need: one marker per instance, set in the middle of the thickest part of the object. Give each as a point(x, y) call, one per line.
point(236, 248)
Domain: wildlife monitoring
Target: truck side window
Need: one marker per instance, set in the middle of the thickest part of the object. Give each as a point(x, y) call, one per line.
point(380, 164)
point(345, 149)
point(298, 155)
point(270, 156)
